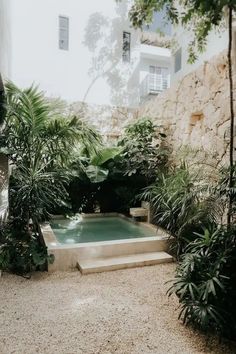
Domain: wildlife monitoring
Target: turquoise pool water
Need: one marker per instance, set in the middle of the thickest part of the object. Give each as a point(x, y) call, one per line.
point(97, 229)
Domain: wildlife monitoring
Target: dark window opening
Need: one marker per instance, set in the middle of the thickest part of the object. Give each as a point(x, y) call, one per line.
point(178, 60)
point(126, 47)
point(63, 33)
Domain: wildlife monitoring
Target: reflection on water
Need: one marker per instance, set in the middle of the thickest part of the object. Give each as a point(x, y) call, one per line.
point(81, 230)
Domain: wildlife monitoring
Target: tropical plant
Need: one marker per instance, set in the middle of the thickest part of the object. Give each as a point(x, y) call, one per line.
point(222, 188)
point(144, 150)
point(37, 189)
point(35, 129)
point(201, 16)
point(41, 143)
point(90, 182)
point(97, 170)
point(205, 282)
point(113, 176)
point(20, 251)
point(182, 203)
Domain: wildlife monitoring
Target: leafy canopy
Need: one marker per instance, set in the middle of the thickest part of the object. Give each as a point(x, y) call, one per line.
point(205, 282)
point(41, 142)
point(181, 204)
point(144, 149)
point(200, 15)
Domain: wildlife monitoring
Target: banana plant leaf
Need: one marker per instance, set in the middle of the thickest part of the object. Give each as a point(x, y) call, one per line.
point(104, 155)
point(96, 174)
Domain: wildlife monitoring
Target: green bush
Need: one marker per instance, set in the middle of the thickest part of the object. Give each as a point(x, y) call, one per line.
point(20, 251)
point(145, 151)
point(182, 205)
point(205, 282)
point(41, 142)
point(113, 177)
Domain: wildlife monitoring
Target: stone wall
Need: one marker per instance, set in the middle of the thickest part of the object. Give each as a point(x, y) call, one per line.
point(196, 110)
point(108, 120)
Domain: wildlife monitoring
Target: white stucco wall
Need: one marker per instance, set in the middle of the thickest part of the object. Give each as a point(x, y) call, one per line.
point(5, 38)
point(217, 41)
point(92, 70)
point(156, 56)
point(146, 63)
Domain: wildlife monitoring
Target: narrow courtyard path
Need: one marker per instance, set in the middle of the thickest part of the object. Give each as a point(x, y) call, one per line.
point(122, 312)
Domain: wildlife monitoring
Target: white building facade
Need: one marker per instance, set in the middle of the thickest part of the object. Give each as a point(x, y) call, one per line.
point(79, 51)
point(217, 42)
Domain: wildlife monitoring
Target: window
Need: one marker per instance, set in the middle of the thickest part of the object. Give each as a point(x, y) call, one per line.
point(126, 47)
point(159, 77)
point(63, 32)
point(178, 60)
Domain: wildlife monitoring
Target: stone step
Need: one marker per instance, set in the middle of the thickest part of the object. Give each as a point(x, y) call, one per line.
point(97, 265)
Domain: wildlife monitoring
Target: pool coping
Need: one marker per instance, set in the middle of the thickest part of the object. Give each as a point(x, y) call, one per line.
point(67, 256)
point(52, 243)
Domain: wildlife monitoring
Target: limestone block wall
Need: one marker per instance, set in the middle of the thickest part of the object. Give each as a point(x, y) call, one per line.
point(194, 112)
point(108, 120)
point(196, 109)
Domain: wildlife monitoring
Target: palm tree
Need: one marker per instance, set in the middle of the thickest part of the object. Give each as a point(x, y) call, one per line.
point(41, 143)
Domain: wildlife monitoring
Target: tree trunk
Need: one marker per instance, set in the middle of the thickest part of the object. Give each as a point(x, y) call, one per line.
point(231, 152)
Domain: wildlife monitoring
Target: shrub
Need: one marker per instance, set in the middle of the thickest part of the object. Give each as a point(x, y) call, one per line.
point(181, 204)
point(145, 152)
point(20, 251)
point(113, 176)
point(205, 282)
point(41, 142)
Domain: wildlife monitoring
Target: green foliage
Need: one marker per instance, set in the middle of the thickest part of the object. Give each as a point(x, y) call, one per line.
point(95, 170)
point(113, 176)
point(206, 277)
point(143, 129)
point(199, 15)
point(20, 251)
point(205, 282)
point(36, 131)
point(104, 155)
point(41, 143)
point(224, 191)
point(2, 107)
point(96, 174)
point(35, 190)
point(181, 204)
point(144, 150)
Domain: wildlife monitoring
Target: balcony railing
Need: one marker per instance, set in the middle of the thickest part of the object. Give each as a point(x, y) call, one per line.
point(153, 84)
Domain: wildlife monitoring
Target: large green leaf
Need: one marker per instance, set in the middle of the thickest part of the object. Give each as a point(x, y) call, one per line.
point(105, 155)
point(96, 174)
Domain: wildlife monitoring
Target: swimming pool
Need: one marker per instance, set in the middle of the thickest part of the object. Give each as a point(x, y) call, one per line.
point(94, 229)
point(98, 236)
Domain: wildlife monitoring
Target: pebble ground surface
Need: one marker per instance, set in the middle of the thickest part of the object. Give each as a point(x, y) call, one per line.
point(120, 312)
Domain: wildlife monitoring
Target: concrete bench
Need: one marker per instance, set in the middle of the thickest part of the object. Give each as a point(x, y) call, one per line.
point(138, 212)
point(141, 212)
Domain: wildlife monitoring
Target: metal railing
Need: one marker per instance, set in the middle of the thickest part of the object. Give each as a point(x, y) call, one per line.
point(154, 84)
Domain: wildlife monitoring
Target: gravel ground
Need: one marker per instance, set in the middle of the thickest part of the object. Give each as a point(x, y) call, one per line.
point(122, 312)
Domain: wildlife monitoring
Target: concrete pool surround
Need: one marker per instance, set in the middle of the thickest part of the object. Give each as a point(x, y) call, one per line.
point(124, 252)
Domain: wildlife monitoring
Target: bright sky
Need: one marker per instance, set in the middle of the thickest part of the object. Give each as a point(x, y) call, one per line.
point(159, 23)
